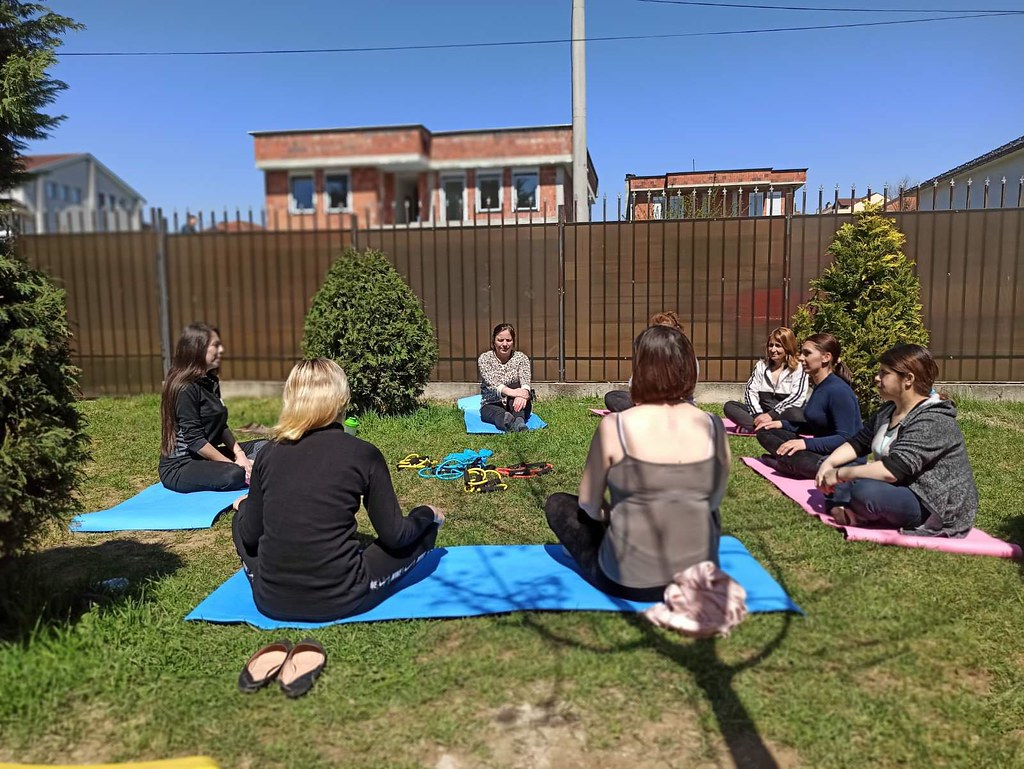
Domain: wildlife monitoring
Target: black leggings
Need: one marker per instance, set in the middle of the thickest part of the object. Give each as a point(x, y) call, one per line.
point(193, 473)
point(581, 535)
point(740, 414)
point(384, 566)
point(618, 400)
point(501, 415)
point(802, 464)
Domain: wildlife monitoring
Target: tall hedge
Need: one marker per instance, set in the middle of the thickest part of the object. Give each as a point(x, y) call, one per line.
point(868, 297)
point(367, 319)
point(42, 441)
point(42, 444)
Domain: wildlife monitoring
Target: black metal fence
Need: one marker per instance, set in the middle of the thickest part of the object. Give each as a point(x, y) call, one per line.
point(578, 293)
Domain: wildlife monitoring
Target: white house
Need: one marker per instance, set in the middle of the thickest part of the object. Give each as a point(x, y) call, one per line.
point(76, 193)
point(1005, 162)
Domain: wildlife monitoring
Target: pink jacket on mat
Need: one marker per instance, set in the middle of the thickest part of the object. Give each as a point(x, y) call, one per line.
point(701, 602)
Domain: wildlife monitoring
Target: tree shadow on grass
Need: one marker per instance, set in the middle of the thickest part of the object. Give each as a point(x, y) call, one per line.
point(55, 587)
point(1012, 530)
point(713, 676)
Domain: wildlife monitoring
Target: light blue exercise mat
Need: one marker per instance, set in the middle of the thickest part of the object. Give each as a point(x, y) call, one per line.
point(158, 509)
point(494, 579)
point(470, 406)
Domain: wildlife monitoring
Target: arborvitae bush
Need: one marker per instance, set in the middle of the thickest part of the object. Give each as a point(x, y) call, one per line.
point(868, 297)
point(42, 443)
point(367, 319)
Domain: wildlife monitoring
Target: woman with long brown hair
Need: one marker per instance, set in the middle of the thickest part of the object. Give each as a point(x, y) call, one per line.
point(197, 450)
point(506, 399)
point(777, 388)
point(920, 480)
point(831, 414)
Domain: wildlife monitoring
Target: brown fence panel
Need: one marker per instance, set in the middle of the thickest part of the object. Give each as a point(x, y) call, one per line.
point(256, 286)
point(110, 283)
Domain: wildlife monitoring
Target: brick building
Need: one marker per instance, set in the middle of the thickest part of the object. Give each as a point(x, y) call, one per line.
point(408, 175)
point(689, 194)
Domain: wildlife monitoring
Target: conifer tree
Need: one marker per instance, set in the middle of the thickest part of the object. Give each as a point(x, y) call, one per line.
point(42, 443)
point(868, 297)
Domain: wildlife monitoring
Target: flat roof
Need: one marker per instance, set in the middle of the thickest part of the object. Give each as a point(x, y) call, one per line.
point(409, 127)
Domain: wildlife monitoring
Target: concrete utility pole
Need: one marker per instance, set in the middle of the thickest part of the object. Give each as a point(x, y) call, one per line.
point(580, 184)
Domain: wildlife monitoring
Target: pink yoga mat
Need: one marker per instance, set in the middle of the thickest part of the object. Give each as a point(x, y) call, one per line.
point(599, 412)
point(805, 494)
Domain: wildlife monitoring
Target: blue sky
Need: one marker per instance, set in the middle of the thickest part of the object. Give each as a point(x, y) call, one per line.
point(860, 106)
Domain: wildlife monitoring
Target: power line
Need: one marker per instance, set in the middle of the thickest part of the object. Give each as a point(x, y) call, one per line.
point(553, 41)
point(766, 7)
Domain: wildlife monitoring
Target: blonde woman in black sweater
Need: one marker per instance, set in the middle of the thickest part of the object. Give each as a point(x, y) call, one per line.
point(296, 530)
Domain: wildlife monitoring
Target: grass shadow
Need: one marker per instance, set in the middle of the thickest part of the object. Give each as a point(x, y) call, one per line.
point(55, 587)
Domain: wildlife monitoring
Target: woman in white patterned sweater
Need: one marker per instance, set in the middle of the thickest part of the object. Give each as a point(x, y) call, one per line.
point(506, 399)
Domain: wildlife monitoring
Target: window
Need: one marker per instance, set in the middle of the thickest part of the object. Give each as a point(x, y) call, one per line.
point(488, 192)
point(336, 192)
point(101, 200)
point(51, 190)
point(524, 185)
point(65, 193)
point(775, 203)
point(301, 201)
point(453, 192)
point(755, 205)
point(76, 195)
point(658, 207)
point(675, 207)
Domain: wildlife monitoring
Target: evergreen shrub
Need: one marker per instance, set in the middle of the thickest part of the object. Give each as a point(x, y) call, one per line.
point(42, 441)
point(869, 298)
point(367, 319)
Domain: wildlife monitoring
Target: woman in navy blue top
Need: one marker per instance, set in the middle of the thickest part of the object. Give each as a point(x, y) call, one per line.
point(831, 414)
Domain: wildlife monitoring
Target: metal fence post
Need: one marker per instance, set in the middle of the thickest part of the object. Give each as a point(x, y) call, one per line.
point(157, 217)
point(787, 259)
point(561, 293)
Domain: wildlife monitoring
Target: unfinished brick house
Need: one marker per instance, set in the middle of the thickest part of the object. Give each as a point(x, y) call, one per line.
point(407, 175)
point(702, 194)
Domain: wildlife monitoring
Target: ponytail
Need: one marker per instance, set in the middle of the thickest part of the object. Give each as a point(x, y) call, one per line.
point(842, 371)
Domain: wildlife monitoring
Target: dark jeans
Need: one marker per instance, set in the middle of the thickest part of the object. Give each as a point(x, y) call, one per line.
point(617, 400)
point(581, 535)
point(501, 415)
point(385, 568)
point(739, 414)
point(879, 504)
point(195, 473)
point(802, 464)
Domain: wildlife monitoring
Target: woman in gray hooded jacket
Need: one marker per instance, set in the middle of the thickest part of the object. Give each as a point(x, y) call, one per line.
point(920, 480)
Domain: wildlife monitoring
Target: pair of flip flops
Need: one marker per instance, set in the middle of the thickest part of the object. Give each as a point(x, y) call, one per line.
point(295, 668)
point(527, 470)
point(481, 480)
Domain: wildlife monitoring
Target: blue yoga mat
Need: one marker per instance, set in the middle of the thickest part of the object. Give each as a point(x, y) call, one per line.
point(158, 509)
point(470, 406)
point(494, 579)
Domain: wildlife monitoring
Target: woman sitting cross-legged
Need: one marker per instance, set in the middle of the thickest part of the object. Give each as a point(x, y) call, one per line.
point(778, 387)
point(296, 530)
point(920, 480)
point(197, 450)
point(619, 400)
point(665, 464)
point(831, 414)
point(506, 399)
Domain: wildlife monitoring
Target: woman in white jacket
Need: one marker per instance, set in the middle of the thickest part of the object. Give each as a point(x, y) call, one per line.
point(778, 387)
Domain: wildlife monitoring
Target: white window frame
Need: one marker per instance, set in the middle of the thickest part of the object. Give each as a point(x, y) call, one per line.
point(292, 208)
point(498, 174)
point(76, 196)
point(347, 208)
point(535, 171)
point(447, 177)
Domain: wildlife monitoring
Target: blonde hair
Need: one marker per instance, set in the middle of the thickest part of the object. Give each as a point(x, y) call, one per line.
point(790, 346)
point(315, 395)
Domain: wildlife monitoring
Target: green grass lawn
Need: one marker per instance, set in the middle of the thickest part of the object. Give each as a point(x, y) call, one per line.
point(905, 658)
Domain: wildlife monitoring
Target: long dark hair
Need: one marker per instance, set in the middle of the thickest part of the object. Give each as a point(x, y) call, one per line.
point(828, 343)
point(189, 364)
point(913, 359)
